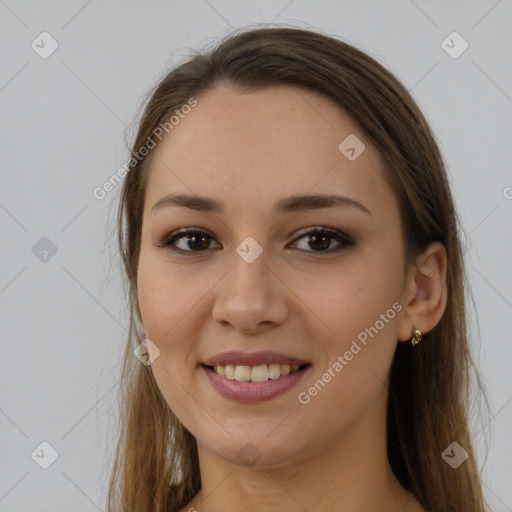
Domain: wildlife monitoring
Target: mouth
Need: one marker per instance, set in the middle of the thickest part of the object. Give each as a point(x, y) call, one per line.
point(250, 377)
point(256, 373)
point(258, 383)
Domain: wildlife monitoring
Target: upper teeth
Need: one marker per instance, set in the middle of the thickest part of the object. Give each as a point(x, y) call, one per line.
point(259, 373)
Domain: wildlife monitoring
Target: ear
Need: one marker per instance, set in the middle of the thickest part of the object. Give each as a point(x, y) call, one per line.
point(425, 292)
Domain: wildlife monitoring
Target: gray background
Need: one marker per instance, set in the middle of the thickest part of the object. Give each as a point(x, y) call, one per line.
point(63, 126)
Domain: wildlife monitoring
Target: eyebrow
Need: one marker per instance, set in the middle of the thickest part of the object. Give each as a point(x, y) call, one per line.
point(290, 204)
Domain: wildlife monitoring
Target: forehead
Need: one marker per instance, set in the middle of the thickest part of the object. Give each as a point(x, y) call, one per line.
point(257, 147)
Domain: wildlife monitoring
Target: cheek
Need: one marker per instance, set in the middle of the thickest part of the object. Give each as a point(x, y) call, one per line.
point(167, 306)
point(163, 298)
point(358, 309)
point(351, 298)
point(173, 304)
point(158, 307)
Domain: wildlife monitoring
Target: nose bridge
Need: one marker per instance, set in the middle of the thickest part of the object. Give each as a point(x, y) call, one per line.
point(249, 268)
point(248, 295)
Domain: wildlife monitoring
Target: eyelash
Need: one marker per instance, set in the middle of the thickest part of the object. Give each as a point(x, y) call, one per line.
point(168, 240)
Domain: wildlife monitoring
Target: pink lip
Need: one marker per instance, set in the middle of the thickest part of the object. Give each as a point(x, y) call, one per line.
point(251, 392)
point(252, 359)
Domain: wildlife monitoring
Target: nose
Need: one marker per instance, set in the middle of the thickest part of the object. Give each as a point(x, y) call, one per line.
point(251, 298)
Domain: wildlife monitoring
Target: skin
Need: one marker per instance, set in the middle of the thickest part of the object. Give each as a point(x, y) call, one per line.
point(250, 150)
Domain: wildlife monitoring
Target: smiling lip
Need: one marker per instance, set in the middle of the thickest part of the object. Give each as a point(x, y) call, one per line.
point(250, 392)
point(237, 357)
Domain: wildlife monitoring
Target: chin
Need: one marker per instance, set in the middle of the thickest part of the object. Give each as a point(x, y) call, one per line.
point(256, 451)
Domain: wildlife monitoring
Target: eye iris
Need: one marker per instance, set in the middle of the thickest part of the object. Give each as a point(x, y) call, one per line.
point(325, 240)
point(192, 239)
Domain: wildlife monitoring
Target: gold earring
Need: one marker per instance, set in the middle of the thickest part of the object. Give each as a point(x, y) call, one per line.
point(416, 336)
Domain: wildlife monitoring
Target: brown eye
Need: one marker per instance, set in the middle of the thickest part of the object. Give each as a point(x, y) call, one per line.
point(191, 240)
point(320, 239)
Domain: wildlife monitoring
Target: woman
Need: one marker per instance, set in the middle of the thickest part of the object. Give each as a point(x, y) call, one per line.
point(296, 291)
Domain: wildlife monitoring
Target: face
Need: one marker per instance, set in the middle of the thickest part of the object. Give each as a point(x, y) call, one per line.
point(313, 283)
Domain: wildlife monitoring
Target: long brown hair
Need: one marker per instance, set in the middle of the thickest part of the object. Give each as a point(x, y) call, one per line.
point(156, 465)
